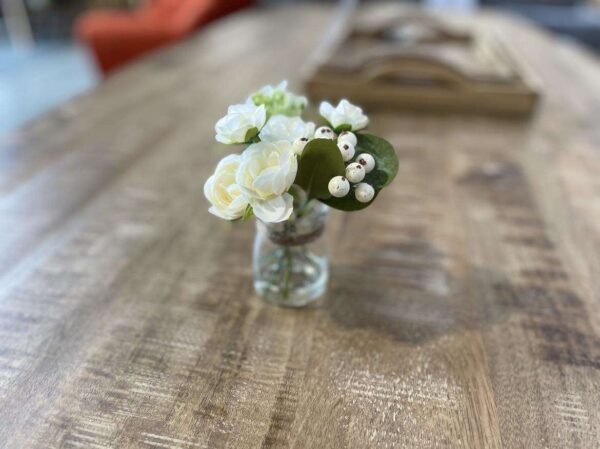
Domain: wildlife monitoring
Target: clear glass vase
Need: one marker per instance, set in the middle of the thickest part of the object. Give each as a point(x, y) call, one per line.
point(290, 260)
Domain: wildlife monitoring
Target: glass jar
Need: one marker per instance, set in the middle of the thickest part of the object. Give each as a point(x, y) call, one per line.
point(290, 260)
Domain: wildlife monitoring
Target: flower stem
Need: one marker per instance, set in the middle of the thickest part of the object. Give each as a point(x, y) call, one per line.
point(287, 272)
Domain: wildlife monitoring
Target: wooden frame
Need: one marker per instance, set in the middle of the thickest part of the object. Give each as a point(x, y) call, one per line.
point(430, 67)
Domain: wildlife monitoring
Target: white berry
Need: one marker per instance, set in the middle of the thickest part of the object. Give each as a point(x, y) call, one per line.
point(339, 186)
point(299, 144)
point(324, 132)
point(367, 161)
point(348, 137)
point(347, 150)
point(355, 172)
point(364, 192)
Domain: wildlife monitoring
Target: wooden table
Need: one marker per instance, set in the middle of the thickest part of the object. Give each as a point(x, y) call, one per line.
point(463, 309)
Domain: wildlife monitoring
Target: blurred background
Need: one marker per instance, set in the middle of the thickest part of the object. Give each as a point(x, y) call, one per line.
point(52, 50)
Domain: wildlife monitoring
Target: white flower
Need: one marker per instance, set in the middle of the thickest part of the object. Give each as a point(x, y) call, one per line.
point(223, 192)
point(281, 127)
point(266, 172)
point(278, 100)
point(239, 121)
point(345, 113)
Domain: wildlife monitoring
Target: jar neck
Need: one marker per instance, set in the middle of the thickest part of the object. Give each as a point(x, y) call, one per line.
point(298, 230)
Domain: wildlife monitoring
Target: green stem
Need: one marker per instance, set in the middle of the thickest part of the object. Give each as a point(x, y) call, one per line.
point(303, 207)
point(287, 272)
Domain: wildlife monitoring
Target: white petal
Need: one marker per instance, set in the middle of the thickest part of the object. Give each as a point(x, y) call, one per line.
point(231, 160)
point(218, 213)
point(208, 186)
point(361, 123)
point(274, 210)
point(326, 110)
point(267, 182)
point(281, 127)
point(266, 169)
point(239, 119)
point(260, 117)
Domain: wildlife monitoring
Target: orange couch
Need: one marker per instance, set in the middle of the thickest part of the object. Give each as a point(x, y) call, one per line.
point(116, 37)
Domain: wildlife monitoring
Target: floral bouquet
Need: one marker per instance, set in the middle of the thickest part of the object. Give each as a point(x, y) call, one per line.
point(288, 174)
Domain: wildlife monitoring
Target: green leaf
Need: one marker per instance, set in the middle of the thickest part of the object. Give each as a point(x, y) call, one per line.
point(251, 134)
point(342, 128)
point(349, 203)
point(248, 213)
point(299, 195)
point(386, 168)
point(320, 161)
point(386, 161)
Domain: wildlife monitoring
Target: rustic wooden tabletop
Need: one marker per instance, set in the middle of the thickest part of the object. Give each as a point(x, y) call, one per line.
point(463, 309)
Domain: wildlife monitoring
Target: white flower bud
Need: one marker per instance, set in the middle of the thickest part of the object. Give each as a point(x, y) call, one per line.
point(345, 113)
point(282, 127)
point(355, 172)
point(339, 186)
point(347, 150)
point(348, 137)
point(367, 161)
point(239, 121)
point(299, 144)
point(364, 192)
point(324, 132)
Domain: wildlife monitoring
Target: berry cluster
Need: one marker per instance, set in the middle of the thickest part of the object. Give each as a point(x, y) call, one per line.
point(339, 186)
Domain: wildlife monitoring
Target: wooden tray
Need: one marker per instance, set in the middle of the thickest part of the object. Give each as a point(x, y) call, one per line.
point(416, 61)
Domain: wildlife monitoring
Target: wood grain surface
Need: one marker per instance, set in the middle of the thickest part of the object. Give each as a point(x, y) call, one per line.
point(463, 309)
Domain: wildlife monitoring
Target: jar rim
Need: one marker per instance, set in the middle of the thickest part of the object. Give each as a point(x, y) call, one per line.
point(290, 239)
point(297, 232)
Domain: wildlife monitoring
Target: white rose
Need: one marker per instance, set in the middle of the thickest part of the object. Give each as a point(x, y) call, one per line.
point(345, 113)
point(266, 172)
point(240, 119)
point(223, 192)
point(282, 127)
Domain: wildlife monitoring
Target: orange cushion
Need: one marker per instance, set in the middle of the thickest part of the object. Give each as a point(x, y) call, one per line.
point(116, 37)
